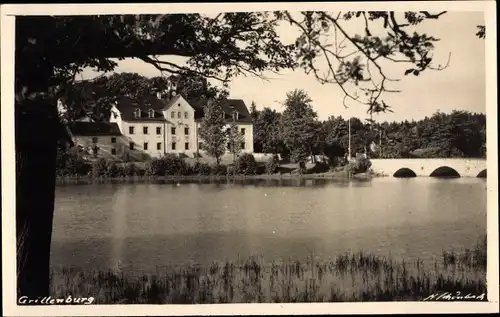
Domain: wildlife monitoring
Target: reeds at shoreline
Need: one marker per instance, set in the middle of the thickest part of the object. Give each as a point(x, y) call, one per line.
point(347, 277)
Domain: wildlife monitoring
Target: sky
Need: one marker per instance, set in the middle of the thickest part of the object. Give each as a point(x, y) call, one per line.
point(460, 86)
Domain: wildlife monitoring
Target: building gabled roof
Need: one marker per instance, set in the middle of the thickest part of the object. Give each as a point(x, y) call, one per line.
point(239, 105)
point(168, 103)
point(82, 128)
point(227, 106)
point(127, 107)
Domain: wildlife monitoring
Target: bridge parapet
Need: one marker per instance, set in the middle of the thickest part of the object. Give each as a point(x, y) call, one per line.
point(425, 167)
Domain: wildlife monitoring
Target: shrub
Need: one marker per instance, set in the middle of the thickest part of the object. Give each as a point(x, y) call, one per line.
point(218, 169)
point(177, 166)
point(70, 163)
point(155, 167)
point(201, 168)
point(272, 165)
point(100, 168)
point(302, 167)
point(319, 167)
point(114, 170)
point(246, 164)
point(130, 169)
point(360, 165)
point(170, 164)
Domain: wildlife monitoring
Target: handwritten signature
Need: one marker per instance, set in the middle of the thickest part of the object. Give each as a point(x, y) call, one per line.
point(447, 296)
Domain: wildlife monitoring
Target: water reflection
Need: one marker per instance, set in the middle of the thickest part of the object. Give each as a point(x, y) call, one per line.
point(141, 225)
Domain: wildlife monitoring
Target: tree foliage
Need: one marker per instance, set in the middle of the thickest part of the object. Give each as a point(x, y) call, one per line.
point(220, 47)
point(299, 126)
point(212, 131)
point(267, 130)
point(234, 139)
point(457, 134)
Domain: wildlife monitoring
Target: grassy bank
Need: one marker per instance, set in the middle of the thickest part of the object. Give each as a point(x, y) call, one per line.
point(198, 178)
point(347, 277)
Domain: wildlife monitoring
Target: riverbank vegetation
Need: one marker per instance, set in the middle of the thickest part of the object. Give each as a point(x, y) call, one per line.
point(348, 277)
point(72, 166)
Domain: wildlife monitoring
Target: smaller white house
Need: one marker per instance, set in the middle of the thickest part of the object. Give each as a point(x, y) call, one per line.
point(235, 111)
point(98, 139)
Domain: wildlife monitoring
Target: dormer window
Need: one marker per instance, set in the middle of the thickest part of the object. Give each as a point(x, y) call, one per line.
point(137, 113)
point(151, 113)
point(235, 115)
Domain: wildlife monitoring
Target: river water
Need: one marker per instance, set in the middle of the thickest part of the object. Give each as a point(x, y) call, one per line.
point(139, 226)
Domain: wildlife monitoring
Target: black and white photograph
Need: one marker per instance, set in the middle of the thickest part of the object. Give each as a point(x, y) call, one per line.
point(249, 153)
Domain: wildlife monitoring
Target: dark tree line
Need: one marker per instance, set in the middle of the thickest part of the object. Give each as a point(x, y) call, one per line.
point(456, 134)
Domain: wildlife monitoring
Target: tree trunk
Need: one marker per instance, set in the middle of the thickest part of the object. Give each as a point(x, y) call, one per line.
point(36, 133)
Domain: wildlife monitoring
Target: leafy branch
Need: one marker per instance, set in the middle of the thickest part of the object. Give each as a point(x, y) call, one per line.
point(324, 37)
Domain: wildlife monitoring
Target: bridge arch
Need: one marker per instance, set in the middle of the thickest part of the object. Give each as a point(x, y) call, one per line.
point(445, 171)
point(404, 172)
point(482, 174)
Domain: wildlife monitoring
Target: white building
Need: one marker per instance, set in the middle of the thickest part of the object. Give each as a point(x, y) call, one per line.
point(170, 124)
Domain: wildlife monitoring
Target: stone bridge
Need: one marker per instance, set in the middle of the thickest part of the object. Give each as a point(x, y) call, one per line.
point(450, 167)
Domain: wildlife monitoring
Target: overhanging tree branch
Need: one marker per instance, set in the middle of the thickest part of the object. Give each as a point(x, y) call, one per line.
point(397, 45)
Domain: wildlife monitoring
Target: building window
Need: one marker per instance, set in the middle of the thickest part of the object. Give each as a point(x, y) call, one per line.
point(145, 146)
point(179, 115)
point(186, 146)
point(172, 131)
point(130, 130)
point(137, 113)
point(172, 115)
point(158, 130)
point(158, 146)
point(200, 145)
point(186, 130)
point(145, 130)
point(242, 145)
point(113, 151)
point(94, 140)
point(186, 115)
point(131, 145)
point(243, 131)
point(173, 145)
point(113, 140)
point(229, 146)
